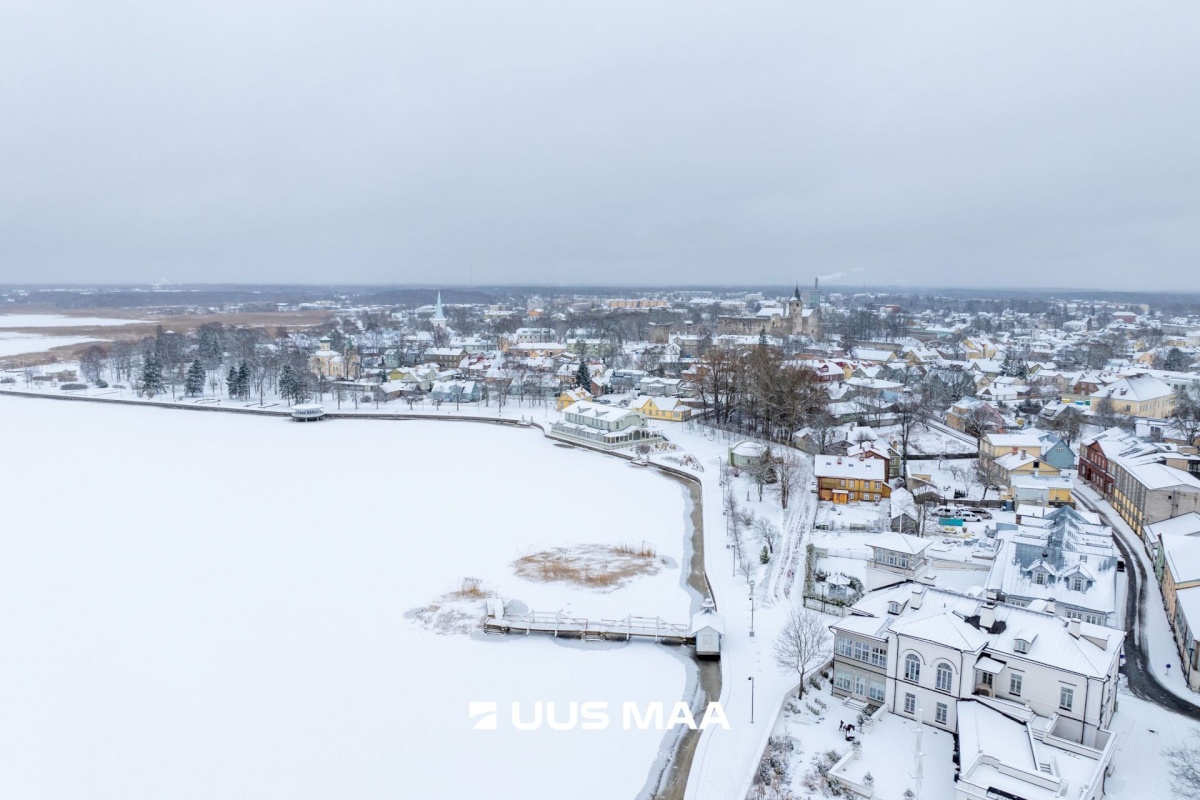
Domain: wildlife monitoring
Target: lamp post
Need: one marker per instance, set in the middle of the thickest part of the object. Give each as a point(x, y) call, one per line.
point(752, 608)
point(751, 679)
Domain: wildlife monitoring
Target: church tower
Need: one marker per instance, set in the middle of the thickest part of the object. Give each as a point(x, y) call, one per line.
point(439, 316)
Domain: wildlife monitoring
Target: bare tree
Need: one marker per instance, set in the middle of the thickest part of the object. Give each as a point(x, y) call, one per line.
point(978, 421)
point(789, 473)
point(822, 430)
point(803, 643)
point(912, 413)
point(1183, 764)
point(92, 362)
point(1186, 414)
point(767, 533)
point(1105, 413)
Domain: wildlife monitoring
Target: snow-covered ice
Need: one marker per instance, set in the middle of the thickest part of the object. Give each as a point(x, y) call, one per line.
point(60, 321)
point(16, 344)
point(216, 605)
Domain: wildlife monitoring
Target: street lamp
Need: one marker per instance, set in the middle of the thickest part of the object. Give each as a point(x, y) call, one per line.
point(751, 679)
point(751, 608)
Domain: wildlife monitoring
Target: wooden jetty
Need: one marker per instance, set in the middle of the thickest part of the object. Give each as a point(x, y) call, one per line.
point(560, 624)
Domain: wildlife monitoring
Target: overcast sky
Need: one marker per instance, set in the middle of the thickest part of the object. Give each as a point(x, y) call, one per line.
point(955, 143)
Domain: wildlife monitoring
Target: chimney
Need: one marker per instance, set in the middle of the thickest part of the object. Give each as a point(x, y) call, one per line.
point(987, 615)
point(1073, 627)
point(918, 595)
point(1014, 450)
point(839, 459)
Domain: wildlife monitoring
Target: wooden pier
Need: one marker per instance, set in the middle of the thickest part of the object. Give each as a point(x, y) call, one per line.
point(559, 624)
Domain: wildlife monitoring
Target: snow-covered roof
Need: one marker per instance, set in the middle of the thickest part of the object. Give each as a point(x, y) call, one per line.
point(900, 542)
point(846, 467)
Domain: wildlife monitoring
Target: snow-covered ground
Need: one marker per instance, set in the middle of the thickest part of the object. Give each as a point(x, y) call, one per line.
point(1143, 731)
point(16, 344)
point(60, 321)
point(216, 605)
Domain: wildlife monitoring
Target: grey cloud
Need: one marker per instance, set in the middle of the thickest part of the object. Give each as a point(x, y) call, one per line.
point(622, 142)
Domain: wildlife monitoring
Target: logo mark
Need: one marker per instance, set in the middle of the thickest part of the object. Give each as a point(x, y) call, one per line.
point(484, 714)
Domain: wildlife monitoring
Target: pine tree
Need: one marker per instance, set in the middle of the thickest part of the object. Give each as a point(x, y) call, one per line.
point(1014, 366)
point(243, 383)
point(287, 382)
point(152, 377)
point(231, 381)
point(762, 338)
point(583, 378)
point(193, 381)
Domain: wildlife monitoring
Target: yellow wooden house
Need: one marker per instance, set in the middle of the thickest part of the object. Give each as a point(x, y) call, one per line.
point(669, 409)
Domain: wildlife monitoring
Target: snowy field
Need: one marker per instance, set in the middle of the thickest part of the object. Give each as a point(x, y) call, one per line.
point(16, 344)
point(60, 321)
point(211, 605)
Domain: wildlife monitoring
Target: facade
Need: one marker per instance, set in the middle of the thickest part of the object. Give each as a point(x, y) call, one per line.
point(896, 558)
point(1056, 453)
point(328, 363)
point(1138, 479)
point(670, 409)
point(603, 426)
point(1138, 396)
point(1040, 490)
point(571, 396)
point(847, 479)
point(919, 650)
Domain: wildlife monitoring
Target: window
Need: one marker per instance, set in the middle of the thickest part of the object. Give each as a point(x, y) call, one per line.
point(845, 647)
point(942, 713)
point(893, 607)
point(1021, 646)
point(1039, 578)
point(1066, 698)
point(945, 677)
point(910, 704)
point(879, 656)
point(1014, 684)
point(841, 679)
point(1077, 584)
point(875, 692)
point(912, 668)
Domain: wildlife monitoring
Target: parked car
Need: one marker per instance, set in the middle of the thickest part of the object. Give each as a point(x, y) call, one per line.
point(970, 516)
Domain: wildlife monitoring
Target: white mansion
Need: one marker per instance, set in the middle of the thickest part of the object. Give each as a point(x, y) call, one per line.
point(952, 659)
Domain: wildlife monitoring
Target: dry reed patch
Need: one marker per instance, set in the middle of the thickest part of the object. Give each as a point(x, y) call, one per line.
point(458, 611)
point(595, 566)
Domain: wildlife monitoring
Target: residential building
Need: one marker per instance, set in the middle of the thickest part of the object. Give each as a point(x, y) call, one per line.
point(848, 479)
point(1138, 396)
point(1064, 558)
point(896, 558)
point(670, 409)
point(1138, 479)
point(920, 650)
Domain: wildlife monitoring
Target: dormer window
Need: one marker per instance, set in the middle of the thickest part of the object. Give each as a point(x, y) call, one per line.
point(893, 607)
point(1039, 578)
point(1021, 646)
